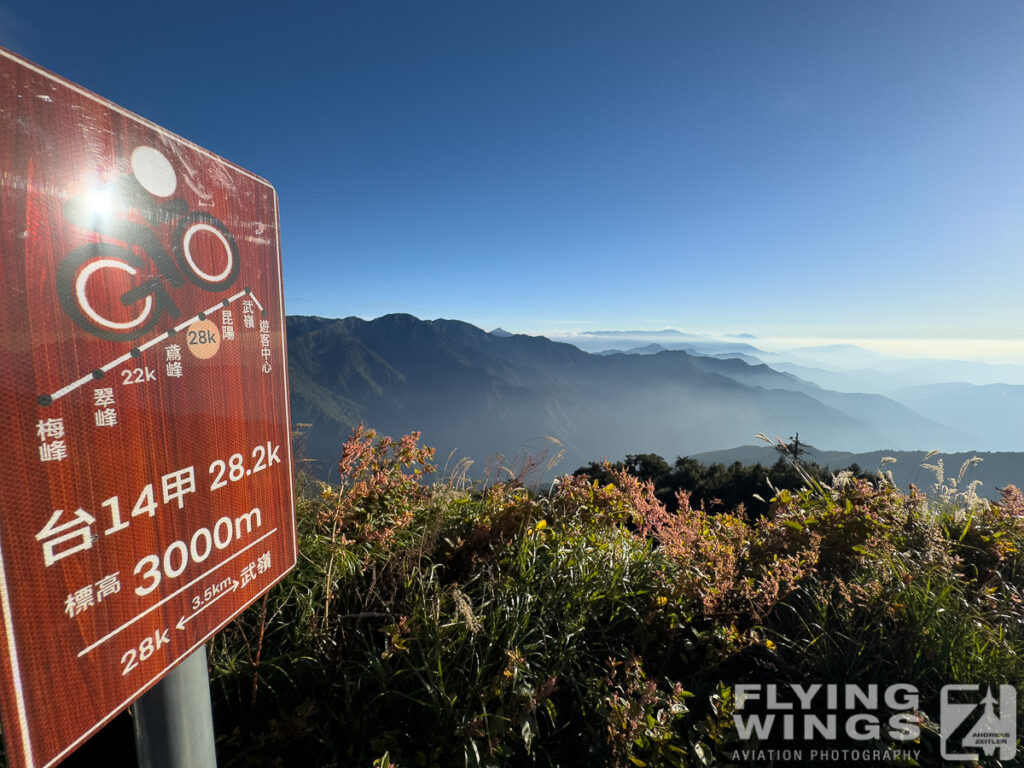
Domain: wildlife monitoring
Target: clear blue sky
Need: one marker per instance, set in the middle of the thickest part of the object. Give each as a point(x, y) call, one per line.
point(848, 169)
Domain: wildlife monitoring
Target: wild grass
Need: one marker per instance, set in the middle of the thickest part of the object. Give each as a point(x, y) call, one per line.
point(434, 624)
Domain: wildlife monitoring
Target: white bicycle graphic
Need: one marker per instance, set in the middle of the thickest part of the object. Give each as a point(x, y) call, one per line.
point(120, 240)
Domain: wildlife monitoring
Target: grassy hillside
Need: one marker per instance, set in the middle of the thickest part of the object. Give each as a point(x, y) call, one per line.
point(433, 624)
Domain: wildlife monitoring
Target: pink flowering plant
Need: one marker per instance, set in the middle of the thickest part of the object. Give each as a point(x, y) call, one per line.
point(603, 621)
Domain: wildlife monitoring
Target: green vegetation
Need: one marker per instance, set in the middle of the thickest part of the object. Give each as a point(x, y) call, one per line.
point(716, 486)
point(430, 623)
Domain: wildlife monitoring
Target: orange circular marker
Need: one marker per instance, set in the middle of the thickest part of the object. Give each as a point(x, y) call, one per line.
point(203, 339)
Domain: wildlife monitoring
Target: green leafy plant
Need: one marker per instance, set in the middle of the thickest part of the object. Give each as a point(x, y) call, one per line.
point(594, 624)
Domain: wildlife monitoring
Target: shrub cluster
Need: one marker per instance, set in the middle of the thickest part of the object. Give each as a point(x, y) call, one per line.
point(593, 625)
point(718, 487)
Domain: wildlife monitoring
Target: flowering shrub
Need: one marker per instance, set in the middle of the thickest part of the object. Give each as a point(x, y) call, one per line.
point(593, 625)
point(381, 484)
point(988, 539)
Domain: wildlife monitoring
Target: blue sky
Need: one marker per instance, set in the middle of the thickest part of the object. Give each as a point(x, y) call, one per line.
point(800, 169)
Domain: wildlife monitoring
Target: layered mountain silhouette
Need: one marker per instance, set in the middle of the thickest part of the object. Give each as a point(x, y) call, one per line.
point(478, 394)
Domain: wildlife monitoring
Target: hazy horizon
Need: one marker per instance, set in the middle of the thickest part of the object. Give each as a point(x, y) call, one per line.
point(992, 351)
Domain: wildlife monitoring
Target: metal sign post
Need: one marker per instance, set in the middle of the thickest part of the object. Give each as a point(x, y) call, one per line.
point(147, 496)
point(173, 720)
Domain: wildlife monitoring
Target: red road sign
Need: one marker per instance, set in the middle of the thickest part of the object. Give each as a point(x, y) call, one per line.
point(146, 493)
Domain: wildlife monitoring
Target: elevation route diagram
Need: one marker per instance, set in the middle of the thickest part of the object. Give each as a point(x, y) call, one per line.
point(136, 352)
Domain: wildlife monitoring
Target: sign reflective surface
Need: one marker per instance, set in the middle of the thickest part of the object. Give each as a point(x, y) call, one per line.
point(146, 491)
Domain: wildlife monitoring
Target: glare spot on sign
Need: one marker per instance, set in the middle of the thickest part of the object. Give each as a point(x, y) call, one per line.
point(101, 203)
point(154, 171)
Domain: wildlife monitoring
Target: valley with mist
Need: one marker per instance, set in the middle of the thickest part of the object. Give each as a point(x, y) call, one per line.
point(502, 399)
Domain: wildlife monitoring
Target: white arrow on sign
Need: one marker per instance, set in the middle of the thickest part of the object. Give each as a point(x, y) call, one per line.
point(185, 620)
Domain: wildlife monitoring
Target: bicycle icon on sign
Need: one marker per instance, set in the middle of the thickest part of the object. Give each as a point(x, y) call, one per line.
point(113, 213)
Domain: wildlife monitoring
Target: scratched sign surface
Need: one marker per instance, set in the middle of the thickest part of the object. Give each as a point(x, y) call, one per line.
point(145, 489)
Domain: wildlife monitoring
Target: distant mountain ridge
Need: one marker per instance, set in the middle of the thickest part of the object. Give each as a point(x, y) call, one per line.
point(480, 394)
